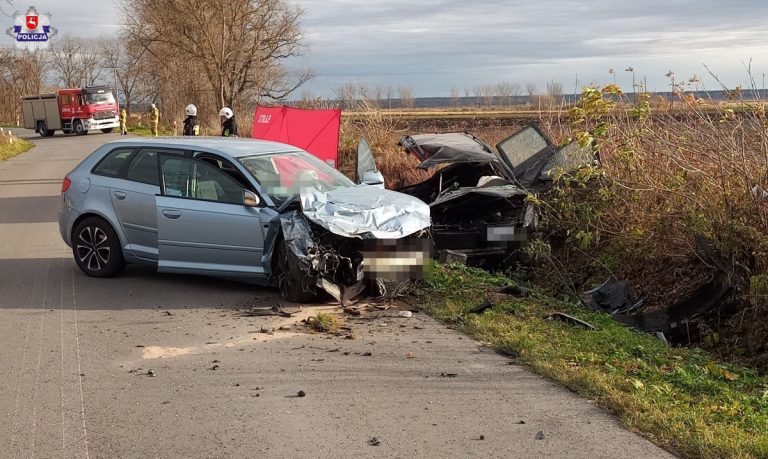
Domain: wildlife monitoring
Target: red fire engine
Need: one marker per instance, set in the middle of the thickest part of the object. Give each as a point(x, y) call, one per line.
point(76, 111)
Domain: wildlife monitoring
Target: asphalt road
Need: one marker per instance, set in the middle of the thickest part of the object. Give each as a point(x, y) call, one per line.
point(77, 352)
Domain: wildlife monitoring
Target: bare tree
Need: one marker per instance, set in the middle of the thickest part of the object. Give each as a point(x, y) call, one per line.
point(406, 96)
point(21, 73)
point(555, 91)
point(65, 57)
point(240, 46)
point(531, 90)
point(488, 91)
point(503, 93)
point(455, 94)
point(388, 95)
point(130, 64)
point(477, 92)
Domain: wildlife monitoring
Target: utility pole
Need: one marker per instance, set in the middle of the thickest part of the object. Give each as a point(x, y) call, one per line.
point(117, 91)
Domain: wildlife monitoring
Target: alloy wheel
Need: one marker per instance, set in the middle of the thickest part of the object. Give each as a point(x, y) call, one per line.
point(92, 248)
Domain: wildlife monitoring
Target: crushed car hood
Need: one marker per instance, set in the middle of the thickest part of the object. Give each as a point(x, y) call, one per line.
point(365, 212)
point(471, 199)
point(454, 147)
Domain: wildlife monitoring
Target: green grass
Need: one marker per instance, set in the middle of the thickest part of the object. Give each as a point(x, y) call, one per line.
point(145, 131)
point(681, 399)
point(9, 150)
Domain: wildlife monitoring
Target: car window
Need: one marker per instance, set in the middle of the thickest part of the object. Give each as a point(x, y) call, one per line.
point(225, 166)
point(522, 146)
point(283, 176)
point(143, 168)
point(112, 164)
point(189, 178)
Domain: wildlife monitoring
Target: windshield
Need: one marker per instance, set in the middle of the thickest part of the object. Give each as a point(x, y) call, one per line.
point(99, 98)
point(282, 176)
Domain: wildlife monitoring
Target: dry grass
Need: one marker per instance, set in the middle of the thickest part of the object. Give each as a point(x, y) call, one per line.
point(667, 176)
point(10, 145)
point(326, 322)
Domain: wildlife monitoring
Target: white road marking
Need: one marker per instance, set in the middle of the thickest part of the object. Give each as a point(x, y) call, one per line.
point(39, 361)
point(79, 369)
point(23, 357)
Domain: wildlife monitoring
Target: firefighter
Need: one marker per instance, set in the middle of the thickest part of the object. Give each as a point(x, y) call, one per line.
point(191, 125)
point(228, 123)
point(123, 122)
point(155, 119)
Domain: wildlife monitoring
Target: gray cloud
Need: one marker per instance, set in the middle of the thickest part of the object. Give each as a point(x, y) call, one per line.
point(435, 44)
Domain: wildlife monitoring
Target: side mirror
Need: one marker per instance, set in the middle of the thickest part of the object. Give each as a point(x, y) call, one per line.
point(374, 178)
point(250, 199)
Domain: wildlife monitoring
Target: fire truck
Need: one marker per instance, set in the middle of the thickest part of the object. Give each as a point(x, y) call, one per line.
point(77, 111)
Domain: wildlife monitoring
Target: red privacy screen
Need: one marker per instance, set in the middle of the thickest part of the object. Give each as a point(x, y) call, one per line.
point(316, 131)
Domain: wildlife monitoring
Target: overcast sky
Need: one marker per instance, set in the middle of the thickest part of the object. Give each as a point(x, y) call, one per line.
point(433, 45)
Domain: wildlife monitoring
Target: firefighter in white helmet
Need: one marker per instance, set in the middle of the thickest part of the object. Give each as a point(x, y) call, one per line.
point(228, 123)
point(191, 125)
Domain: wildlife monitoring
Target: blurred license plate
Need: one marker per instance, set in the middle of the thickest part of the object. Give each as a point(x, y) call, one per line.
point(397, 259)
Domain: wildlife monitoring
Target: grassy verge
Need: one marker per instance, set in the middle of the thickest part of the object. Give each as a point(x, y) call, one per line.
point(144, 131)
point(681, 399)
point(9, 150)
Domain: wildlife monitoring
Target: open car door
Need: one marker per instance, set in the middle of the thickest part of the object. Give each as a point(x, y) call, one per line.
point(365, 166)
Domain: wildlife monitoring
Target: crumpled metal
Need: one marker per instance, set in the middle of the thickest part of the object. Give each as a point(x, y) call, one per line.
point(365, 212)
point(298, 236)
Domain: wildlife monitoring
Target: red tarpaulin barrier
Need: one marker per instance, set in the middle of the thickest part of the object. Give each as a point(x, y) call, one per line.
point(316, 131)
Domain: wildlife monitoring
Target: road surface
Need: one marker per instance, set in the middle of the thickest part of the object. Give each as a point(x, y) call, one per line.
point(148, 365)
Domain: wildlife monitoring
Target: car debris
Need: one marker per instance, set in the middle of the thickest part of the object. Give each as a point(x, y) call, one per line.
point(675, 323)
point(479, 198)
point(482, 307)
point(516, 290)
point(612, 297)
point(563, 317)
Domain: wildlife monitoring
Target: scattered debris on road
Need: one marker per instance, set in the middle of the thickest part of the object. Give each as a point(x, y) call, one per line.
point(151, 373)
point(374, 441)
point(540, 435)
point(448, 375)
point(301, 393)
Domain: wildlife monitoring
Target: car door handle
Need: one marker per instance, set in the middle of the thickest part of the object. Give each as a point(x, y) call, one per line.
point(119, 195)
point(172, 214)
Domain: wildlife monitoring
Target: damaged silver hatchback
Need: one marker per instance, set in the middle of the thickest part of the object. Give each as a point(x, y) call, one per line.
point(238, 208)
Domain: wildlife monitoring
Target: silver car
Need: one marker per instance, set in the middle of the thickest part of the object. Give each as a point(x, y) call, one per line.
point(238, 208)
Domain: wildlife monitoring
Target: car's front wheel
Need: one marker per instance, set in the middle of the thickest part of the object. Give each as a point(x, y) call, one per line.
point(96, 248)
point(294, 284)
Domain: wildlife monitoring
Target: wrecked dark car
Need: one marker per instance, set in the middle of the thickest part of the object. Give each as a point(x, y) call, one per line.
point(253, 210)
point(477, 195)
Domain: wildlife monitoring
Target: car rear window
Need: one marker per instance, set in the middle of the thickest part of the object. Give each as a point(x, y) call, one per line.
point(113, 163)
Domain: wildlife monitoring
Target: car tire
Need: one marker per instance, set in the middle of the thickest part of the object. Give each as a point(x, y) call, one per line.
point(107, 130)
point(294, 284)
point(42, 129)
point(79, 128)
point(96, 248)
